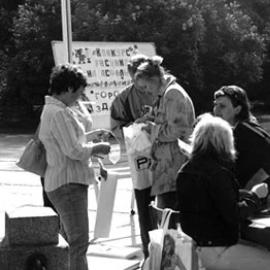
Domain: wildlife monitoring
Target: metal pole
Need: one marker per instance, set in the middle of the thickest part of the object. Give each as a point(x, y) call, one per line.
point(66, 29)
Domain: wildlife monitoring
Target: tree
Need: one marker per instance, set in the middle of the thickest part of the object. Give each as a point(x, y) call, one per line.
point(205, 43)
point(259, 11)
point(176, 27)
point(36, 24)
point(232, 51)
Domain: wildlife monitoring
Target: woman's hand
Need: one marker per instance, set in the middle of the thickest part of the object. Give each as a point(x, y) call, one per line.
point(147, 117)
point(261, 190)
point(101, 148)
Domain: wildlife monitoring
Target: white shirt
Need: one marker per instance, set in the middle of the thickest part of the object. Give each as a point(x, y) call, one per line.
point(67, 151)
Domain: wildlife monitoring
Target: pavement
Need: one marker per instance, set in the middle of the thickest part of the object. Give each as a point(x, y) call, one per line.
point(18, 188)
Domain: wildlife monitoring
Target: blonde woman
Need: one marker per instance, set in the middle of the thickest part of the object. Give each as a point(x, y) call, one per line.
point(208, 199)
point(172, 118)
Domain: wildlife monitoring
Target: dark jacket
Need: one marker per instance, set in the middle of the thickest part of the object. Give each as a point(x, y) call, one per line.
point(207, 193)
point(209, 202)
point(253, 151)
point(128, 106)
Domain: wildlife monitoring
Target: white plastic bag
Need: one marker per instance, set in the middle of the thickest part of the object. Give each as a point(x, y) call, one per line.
point(136, 139)
point(138, 146)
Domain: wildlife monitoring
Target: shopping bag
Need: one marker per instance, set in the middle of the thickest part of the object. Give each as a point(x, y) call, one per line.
point(138, 146)
point(178, 251)
point(33, 158)
point(105, 205)
point(170, 248)
point(156, 236)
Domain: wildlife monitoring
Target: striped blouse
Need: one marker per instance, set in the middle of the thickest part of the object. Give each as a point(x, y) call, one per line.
point(68, 153)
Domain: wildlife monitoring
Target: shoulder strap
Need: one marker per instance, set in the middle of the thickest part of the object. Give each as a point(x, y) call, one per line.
point(35, 137)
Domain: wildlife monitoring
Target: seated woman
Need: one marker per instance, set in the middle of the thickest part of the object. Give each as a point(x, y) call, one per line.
point(208, 199)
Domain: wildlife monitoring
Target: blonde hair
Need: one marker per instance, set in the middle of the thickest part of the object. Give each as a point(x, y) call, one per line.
point(135, 61)
point(151, 68)
point(213, 136)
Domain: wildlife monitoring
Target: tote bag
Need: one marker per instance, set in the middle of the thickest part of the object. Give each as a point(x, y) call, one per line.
point(33, 158)
point(170, 248)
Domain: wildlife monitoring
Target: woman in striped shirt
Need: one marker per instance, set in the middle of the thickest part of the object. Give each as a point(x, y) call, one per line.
point(69, 171)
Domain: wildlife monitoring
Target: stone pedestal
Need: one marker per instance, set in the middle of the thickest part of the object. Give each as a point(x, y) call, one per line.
point(17, 257)
point(31, 237)
point(29, 225)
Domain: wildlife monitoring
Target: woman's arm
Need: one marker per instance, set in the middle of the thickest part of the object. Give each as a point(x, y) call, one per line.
point(63, 128)
point(179, 117)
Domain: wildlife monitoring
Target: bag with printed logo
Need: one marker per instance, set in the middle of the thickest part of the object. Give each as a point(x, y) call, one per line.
point(138, 147)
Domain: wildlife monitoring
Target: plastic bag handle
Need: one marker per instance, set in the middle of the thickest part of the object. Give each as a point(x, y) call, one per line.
point(166, 215)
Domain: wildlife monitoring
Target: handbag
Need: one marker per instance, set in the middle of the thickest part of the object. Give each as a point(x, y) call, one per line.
point(171, 248)
point(33, 158)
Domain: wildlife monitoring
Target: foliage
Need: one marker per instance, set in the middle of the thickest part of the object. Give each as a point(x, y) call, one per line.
point(176, 27)
point(205, 43)
point(232, 51)
point(36, 24)
point(259, 11)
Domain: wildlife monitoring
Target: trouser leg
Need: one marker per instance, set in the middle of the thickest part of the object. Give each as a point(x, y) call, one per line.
point(167, 200)
point(46, 200)
point(71, 203)
point(143, 199)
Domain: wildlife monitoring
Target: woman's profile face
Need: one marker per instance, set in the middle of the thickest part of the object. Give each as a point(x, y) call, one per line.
point(224, 108)
point(74, 96)
point(149, 85)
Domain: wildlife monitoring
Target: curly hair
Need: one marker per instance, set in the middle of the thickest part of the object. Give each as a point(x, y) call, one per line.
point(151, 68)
point(135, 61)
point(66, 76)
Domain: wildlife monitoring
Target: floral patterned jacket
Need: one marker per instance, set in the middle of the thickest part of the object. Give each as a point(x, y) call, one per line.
point(174, 117)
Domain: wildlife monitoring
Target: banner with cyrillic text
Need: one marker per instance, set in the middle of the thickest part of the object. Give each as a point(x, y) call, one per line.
point(105, 64)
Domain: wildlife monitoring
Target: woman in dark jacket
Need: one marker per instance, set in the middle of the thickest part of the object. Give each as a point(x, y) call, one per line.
point(208, 198)
point(252, 142)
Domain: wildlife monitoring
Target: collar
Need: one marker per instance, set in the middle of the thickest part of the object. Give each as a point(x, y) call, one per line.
point(168, 80)
point(54, 101)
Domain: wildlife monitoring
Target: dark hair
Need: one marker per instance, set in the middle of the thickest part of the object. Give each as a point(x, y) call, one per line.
point(150, 68)
point(66, 76)
point(238, 97)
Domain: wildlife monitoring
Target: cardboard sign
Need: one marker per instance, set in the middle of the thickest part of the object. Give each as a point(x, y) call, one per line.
point(105, 206)
point(105, 64)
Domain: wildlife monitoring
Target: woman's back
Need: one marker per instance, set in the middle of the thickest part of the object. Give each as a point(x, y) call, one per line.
point(207, 195)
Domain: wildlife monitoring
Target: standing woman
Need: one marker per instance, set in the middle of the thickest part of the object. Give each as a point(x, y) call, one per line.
point(130, 103)
point(174, 115)
point(127, 107)
point(68, 173)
